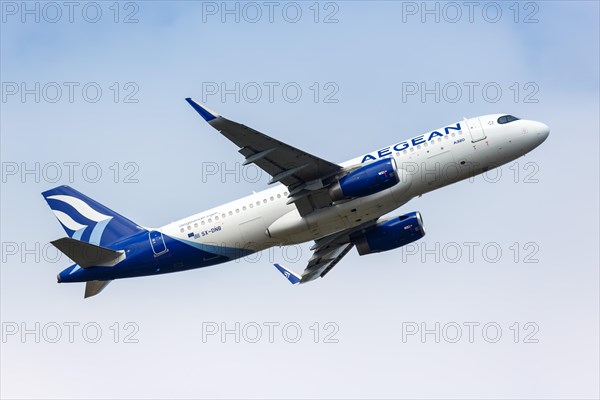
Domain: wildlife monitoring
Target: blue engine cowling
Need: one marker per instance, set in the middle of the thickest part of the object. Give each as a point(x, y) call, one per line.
point(391, 234)
point(372, 178)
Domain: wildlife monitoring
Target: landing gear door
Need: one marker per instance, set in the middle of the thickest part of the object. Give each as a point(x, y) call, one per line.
point(157, 242)
point(475, 129)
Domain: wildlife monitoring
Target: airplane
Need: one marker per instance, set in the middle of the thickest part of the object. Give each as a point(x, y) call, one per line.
point(338, 206)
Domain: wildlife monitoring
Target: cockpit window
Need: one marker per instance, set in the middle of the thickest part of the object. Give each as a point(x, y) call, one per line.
point(505, 119)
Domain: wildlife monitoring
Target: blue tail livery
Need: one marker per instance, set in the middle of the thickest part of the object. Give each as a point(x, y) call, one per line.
point(87, 220)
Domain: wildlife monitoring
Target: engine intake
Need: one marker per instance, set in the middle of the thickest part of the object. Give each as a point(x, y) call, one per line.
point(390, 234)
point(369, 179)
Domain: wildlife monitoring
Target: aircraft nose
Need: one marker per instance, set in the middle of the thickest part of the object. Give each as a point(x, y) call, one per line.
point(542, 131)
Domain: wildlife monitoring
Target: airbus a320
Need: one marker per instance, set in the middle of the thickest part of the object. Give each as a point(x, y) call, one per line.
point(338, 206)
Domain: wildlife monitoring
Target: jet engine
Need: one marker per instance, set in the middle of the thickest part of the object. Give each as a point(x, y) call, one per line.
point(369, 179)
point(390, 234)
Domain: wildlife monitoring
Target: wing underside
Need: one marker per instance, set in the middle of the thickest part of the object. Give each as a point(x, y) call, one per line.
point(328, 251)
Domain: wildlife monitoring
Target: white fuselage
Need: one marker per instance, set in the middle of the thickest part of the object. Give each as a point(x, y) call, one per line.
point(425, 163)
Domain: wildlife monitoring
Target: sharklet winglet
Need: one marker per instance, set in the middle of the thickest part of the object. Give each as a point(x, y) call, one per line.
point(290, 275)
point(204, 111)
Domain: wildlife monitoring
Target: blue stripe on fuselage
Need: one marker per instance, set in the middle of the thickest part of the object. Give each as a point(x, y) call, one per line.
point(140, 260)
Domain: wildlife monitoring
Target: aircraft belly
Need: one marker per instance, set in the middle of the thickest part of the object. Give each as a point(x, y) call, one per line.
point(292, 228)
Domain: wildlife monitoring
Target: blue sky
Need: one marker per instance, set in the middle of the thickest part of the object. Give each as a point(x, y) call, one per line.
point(546, 203)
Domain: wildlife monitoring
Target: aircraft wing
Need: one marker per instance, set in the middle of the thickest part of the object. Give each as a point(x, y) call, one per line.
point(328, 251)
point(304, 174)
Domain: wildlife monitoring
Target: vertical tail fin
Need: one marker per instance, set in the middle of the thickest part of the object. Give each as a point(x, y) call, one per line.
point(87, 220)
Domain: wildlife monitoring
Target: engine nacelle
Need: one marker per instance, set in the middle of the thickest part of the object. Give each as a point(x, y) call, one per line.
point(390, 234)
point(372, 178)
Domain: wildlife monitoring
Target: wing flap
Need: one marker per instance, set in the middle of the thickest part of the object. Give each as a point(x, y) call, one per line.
point(327, 253)
point(318, 265)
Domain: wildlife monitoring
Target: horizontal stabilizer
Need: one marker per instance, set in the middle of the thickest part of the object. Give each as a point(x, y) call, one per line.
point(92, 288)
point(87, 254)
point(290, 275)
